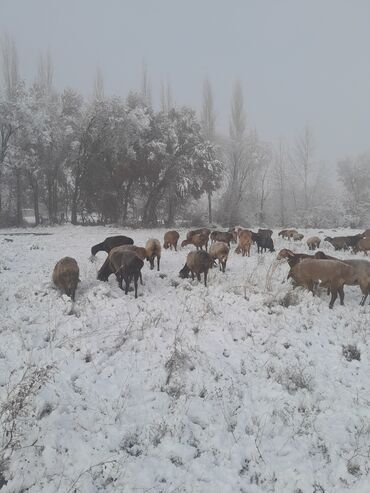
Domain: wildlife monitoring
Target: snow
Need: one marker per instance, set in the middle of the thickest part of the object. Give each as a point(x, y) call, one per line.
point(240, 386)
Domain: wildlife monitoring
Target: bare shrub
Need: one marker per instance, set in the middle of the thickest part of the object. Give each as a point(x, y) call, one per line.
point(295, 378)
point(351, 352)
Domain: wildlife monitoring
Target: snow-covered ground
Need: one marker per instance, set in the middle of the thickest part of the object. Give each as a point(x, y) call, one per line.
point(242, 386)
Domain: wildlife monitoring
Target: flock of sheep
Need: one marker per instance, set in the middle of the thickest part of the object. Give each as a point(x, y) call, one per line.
point(126, 260)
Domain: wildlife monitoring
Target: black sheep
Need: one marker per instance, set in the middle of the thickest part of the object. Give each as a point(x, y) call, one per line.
point(111, 242)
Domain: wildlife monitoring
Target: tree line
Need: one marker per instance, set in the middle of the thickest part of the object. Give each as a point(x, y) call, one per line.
point(119, 160)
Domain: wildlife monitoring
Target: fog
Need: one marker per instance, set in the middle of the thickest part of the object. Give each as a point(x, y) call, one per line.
point(298, 61)
point(270, 101)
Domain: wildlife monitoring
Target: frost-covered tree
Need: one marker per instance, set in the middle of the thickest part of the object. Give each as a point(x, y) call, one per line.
point(354, 174)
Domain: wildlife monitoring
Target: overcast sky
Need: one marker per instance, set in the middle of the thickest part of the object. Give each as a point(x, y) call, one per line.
point(299, 61)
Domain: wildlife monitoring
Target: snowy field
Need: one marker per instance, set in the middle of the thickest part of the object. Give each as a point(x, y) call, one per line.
point(243, 386)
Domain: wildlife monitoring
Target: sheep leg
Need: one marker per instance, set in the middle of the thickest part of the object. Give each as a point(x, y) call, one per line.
point(192, 275)
point(365, 291)
point(334, 295)
point(127, 283)
point(136, 276)
point(158, 260)
point(205, 278)
point(198, 277)
point(141, 279)
point(341, 295)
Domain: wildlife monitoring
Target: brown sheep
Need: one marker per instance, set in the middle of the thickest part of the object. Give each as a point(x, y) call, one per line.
point(204, 231)
point(219, 251)
point(361, 273)
point(66, 276)
point(199, 240)
point(153, 249)
point(245, 242)
point(170, 240)
point(224, 236)
point(197, 263)
point(108, 268)
point(313, 242)
point(287, 233)
point(366, 233)
point(362, 245)
point(329, 273)
point(126, 265)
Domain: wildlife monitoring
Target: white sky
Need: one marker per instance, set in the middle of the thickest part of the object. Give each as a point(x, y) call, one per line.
point(299, 61)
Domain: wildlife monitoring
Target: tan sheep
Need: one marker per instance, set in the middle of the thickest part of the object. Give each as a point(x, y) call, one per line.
point(328, 273)
point(197, 263)
point(298, 237)
point(199, 240)
point(288, 233)
point(313, 242)
point(204, 231)
point(153, 249)
point(245, 242)
point(219, 251)
point(362, 245)
point(66, 276)
point(170, 240)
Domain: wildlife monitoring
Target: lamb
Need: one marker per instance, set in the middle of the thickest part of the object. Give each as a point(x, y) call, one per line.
point(298, 237)
point(225, 237)
point(330, 273)
point(111, 242)
point(66, 276)
point(363, 245)
point(245, 242)
point(170, 240)
point(153, 249)
point(219, 251)
point(199, 240)
point(313, 242)
point(197, 263)
point(127, 266)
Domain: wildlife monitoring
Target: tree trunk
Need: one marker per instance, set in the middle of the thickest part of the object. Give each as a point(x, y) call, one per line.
point(210, 219)
point(19, 196)
point(35, 193)
point(150, 208)
point(171, 210)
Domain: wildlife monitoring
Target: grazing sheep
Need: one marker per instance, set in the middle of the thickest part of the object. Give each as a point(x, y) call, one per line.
point(313, 242)
point(265, 232)
point(344, 242)
point(224, 236)
point(245, 242)
point(287, 233)
point(111, 242)
point(66, 276)
point(363, 245)
point(153, 249)
point(170, 240)
point(204, 231)
point(197, 263)
point(127, 266)
point(366, 233)
point(199, 240)
point(298, 237)
point(264, 243)
point(361, 273)
point(140, 251)
point(219, 251)
point(291, 257)
point(329, 273)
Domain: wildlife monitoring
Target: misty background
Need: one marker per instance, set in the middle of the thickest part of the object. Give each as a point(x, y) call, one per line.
point(160, 112)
